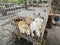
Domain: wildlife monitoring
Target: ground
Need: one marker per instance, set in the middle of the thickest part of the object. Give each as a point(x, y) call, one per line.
point(53, 37)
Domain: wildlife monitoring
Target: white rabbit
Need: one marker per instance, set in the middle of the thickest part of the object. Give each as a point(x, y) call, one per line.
point(35, 26)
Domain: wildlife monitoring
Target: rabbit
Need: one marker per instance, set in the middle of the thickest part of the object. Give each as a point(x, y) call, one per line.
point(23, 27)
point(35, 26)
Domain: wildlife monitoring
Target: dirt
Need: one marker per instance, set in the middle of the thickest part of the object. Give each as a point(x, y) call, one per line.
point(53, 37)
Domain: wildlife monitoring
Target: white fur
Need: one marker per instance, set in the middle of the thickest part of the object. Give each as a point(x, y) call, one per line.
point(35, 26)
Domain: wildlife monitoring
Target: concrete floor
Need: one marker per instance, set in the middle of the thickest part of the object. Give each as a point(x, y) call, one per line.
point(53, 37)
